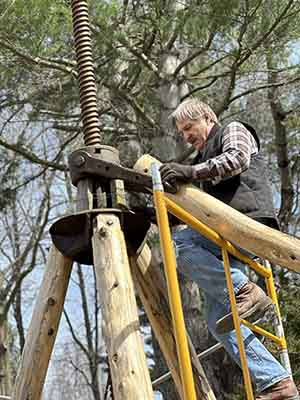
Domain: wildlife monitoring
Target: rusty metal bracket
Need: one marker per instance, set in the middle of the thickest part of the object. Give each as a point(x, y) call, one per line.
point(72, 234)
point(101, 166)
point(85, 164)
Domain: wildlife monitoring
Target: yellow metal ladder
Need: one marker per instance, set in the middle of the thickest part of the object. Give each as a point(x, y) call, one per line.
point(162, 205)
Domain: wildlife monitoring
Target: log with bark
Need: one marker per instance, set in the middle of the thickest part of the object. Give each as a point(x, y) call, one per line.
point(277, 247)
point(43, 328)
point(127, 361)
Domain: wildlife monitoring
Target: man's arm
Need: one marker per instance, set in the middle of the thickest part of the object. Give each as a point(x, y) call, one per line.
point(237, 146)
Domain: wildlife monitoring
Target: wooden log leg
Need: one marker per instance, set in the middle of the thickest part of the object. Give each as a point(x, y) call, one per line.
point(130, 375)
point(151, 290)
point(43, 328)
point(267, 243)
point(5, 360)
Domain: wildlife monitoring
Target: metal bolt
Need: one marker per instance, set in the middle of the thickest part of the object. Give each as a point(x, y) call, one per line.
point(79, 161)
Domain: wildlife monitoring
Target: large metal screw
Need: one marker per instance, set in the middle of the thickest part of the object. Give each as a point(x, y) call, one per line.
point(86, 74)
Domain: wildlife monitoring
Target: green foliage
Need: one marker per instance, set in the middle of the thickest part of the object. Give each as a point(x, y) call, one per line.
point(138, 45)
point(40, 26)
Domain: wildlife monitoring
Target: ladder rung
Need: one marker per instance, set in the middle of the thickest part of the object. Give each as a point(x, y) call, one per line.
point(201, 356)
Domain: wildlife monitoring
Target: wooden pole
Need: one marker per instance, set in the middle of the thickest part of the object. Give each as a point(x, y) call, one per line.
point(130, 375)
point(5, 356)
point(5, 360)
point(267, 243)
point(43, 328)
point(152, 292)
point(84, 195)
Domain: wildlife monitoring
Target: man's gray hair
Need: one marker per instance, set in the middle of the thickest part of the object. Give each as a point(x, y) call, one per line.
point(193, 109)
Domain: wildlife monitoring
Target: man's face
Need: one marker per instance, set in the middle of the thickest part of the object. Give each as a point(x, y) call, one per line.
point(194, 131)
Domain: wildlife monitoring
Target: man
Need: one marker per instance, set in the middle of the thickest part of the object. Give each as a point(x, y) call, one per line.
point(230, 168)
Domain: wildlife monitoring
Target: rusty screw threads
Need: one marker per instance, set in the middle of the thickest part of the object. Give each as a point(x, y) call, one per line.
point(86, 76)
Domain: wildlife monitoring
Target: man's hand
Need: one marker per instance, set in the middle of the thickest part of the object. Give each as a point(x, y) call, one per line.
point(173, 172)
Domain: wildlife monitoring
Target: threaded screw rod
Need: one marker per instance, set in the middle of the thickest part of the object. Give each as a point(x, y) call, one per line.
point(86, 75)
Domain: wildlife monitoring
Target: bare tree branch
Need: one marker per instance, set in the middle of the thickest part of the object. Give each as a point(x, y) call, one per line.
point(264, 37)
point(191, 57)
point(60, 65)
point(30, 156)
point(267, 86)
point(74, 336)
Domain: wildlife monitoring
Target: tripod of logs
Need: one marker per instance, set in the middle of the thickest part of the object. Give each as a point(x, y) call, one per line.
point(106, 234)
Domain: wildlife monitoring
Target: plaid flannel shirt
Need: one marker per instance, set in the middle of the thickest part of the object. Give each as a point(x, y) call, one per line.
point(238, 145)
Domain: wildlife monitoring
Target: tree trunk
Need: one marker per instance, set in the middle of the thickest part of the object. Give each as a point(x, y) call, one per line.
point(281, 142)
point(197, 328)
point(165, 143)
point(167, 388)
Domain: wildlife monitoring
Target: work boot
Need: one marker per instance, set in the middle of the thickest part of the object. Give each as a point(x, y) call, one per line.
point(252, 303)
point(283, 390)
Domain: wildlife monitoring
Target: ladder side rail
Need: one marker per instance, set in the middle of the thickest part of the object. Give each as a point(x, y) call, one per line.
point(169, 261)
point(237, 326)
point(278, 325)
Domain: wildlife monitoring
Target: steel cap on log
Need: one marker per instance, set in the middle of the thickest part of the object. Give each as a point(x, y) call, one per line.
point(72, 234)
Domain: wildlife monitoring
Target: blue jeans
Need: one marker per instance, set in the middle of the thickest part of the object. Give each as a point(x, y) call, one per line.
point(200, 260)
